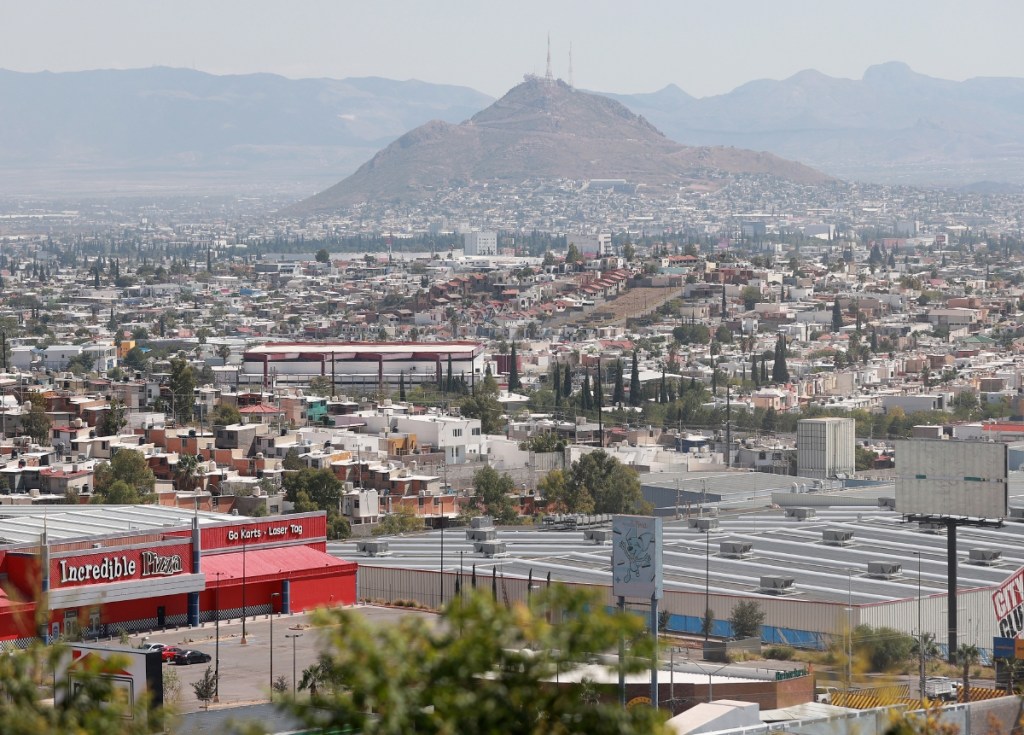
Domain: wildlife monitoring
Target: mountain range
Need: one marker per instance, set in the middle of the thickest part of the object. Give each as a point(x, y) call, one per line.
point(542, 130)
point(891, 126)
point(71, 131)
point(179, 128)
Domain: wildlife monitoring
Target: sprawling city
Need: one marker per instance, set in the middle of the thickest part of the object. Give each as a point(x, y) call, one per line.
point(484, 414)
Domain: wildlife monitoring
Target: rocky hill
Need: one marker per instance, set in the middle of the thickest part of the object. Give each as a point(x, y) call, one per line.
point(542, 130)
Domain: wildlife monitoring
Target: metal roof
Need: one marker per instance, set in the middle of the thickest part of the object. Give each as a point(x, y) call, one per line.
point(25, 523)
point(780, 546)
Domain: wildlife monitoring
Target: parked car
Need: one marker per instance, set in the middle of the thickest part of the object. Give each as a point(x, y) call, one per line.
point(192, 657)
point(167, 653)
point(152, 646)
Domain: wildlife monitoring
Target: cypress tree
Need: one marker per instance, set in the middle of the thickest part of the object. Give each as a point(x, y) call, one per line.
point(635, 391)
point(557, 384)
point(401, 386)
point(585, 400)
point(448, 379)
point(663, 391)
point(598, 389)
point(567, 383)
point(780, 372)
point(619, 392)
point(837, 316)
point(513, 370)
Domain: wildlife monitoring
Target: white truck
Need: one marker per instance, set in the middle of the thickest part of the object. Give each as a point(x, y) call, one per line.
point(825, 695)
point(941, 687)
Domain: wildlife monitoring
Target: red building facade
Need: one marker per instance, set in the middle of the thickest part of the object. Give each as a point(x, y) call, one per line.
point(144, 580)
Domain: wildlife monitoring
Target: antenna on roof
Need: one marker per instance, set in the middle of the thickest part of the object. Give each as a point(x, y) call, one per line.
point(570, 65)
point(548, 76)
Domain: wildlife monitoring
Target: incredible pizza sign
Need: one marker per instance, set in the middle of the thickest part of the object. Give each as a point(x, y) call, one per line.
point(1008, 601)
point(122, 565)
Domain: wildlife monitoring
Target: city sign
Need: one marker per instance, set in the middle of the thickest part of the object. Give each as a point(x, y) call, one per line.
point(936, 477)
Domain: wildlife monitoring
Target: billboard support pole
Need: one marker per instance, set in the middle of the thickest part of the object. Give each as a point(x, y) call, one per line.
point(951, 524)
point(654, 653)
point(622, 656)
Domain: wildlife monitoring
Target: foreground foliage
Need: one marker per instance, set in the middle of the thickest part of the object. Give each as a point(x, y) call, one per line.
point(482, 668)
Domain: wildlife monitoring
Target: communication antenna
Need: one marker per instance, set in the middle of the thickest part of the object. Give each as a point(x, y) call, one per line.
point(570, 65)
point(548, 76)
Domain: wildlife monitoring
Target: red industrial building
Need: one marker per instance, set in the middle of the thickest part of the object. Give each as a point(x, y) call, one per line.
point(99, 570)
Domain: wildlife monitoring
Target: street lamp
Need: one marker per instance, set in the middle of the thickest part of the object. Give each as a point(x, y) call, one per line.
point(272, 596)
point(293, 636)
point(920, 631)
point(243, 641)
point(216, 626)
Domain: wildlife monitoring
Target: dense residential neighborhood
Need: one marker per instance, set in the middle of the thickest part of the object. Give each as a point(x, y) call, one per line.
point(229, 354)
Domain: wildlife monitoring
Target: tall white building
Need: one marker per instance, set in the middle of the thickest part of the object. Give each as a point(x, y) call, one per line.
point(825, 448)
point(481, 243)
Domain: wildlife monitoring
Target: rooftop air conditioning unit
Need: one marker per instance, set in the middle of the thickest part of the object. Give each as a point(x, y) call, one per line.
point(482, 522)
point(887, 503)
point(985, 557)
point(929, 527)
point(836, 538)
point(373, 548)
point(481, 534)
point(777, 585)
point(490, 549)
point(599, 536)
point(706, 525)
point(736, 549)
point(884, 569)
point(800, 514)
point(1017, 514)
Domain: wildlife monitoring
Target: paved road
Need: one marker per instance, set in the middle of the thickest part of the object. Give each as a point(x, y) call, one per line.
point(245, 675)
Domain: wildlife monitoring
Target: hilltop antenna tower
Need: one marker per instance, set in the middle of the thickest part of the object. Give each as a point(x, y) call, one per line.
point(570, 65)
point(548, 76)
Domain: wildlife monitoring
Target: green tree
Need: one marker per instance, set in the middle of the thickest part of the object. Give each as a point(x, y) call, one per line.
point(967, 655)
point(292, 462)
point(513, 369)
point(780, 371)
point(619, 390)
point(837, 316)
point(225, 415)
point(573, 255)
point(562, 494)
point(493, 494)
point(320, 385)
point(636, 391)
point(322, 256)
point(36, 423)
point(401, 520)
point(707, 623)
point(183, 388)
point(751, 296)
point(485, 406)
point(485, 668)
point(746, 619)
point(121, 493)
point(613, 487)
point(688, 334)
point(206, 688)
point(114, 418)
point(321, 488)
point(187, 472)
point(882, 649)
point(129, 467)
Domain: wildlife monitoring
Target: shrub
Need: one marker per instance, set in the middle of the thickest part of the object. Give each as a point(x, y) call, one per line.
point(781, 653)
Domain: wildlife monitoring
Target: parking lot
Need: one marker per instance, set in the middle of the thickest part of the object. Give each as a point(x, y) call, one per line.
point(245, 675)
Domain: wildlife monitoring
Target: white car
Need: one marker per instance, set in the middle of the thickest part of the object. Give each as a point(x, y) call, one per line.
point(152, 646)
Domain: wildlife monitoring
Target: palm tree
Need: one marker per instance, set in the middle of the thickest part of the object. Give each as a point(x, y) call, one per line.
point(967, 655)
point(187, 473)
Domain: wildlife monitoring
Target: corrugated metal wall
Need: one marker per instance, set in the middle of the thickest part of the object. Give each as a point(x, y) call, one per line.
point(976, 617)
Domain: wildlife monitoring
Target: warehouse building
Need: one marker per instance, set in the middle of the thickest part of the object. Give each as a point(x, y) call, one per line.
point(363, 364)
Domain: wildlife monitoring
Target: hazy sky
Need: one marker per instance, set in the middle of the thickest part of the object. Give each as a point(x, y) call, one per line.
point(705, 47)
